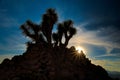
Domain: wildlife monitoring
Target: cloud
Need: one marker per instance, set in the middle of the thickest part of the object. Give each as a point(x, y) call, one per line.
point(14, 43)
point(102, 44)
point(107, 37)
point(84, 36)
point(110, 57)
point(6, 20)
point(115, 51)
point(107, 64)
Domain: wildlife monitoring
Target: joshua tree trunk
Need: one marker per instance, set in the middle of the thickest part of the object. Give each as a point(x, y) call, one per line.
point(66, 42)
point(49, 34)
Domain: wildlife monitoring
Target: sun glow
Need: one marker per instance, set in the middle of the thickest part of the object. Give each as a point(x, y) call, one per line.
point(79, 49)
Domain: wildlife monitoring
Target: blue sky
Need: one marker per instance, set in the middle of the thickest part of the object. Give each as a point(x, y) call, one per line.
point(97, 22)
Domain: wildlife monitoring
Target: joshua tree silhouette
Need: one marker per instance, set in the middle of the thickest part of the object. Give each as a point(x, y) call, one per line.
point(69, 31)
point(42, 33)
point(65, 30)
point(49, 19)
point(32, 31)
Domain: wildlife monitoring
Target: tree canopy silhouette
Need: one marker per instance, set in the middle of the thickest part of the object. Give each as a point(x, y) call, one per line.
point(42, 33)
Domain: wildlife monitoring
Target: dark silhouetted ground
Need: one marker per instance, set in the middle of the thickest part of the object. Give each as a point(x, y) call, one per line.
point(41, 62)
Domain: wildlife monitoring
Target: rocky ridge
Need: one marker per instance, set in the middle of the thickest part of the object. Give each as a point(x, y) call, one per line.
point(51, 63)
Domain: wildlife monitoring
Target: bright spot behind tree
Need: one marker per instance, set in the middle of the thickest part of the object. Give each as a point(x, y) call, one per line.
point(79, 49)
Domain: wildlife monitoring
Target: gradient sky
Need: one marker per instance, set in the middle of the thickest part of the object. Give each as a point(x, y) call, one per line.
point(97, 22)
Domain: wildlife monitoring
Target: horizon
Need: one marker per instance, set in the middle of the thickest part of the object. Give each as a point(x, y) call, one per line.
point(97, 24)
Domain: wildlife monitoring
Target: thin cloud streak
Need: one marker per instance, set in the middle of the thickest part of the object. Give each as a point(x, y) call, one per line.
point(6, 20)
point(14, 44)
point(92, 37)
point(84, 36)
point(107, 64)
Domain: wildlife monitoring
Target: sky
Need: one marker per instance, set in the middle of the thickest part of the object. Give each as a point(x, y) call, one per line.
point(97, 23)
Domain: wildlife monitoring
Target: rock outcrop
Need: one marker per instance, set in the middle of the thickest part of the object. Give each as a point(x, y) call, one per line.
point(41, 62)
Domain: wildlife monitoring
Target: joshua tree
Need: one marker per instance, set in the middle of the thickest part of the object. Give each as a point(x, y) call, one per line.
point(32, 31)
point(49, 19)
point(72, 31)
point(38, 33)
point(67, 30)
